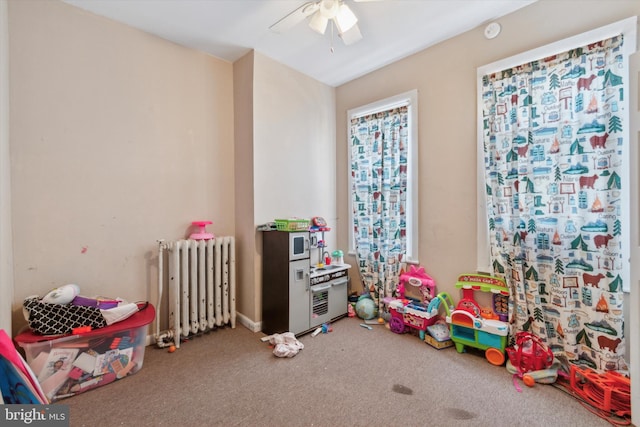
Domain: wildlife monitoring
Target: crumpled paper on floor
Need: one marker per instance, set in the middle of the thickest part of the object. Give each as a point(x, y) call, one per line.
point(285, 345)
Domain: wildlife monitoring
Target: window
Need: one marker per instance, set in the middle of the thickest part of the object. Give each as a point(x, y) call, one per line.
point(572, 197)
point(408, 100)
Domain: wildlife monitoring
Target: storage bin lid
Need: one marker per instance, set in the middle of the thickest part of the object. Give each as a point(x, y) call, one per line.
point(141, 318)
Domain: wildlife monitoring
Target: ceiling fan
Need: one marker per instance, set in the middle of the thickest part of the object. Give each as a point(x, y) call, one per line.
point(323, 13)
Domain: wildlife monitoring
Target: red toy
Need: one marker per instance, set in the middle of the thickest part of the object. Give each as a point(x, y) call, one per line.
point(529, 353)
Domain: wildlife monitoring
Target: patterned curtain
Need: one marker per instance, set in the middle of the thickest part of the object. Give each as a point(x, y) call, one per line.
point(553, 150)
point(379, 176)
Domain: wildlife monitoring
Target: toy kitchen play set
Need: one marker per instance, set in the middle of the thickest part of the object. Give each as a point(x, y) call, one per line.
point(304, 285)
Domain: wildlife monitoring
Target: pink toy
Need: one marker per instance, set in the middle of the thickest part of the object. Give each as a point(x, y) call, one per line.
point(350, 311)
point(417, 285)
point(413, 308)
point(202, 234)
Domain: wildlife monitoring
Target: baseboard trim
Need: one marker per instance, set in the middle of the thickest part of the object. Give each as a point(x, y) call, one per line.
point(240, 318)
point(248, 323)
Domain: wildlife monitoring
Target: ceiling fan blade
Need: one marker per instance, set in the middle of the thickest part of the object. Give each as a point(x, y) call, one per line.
point(351, 36)
point(318, 23)
point(295, 17)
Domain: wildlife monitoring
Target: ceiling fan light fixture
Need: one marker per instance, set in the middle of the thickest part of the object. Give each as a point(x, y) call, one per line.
point(345, 19)
point(329, 8)
point(318, 23)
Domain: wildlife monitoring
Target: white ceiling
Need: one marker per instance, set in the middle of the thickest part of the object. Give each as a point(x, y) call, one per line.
point(228, 29)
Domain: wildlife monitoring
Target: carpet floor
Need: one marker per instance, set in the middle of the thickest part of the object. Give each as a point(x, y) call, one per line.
point(351, 376)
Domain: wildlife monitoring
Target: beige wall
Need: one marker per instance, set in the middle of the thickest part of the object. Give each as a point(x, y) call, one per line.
point(445, 77)
point(285, 156)
point(245, 231)
point(294, 145)
point(285, 159)
point(118, 138)
point(294, 153)
point(6, 255)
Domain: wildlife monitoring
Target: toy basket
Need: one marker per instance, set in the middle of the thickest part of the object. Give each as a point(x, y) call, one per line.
point(529, 353)
point(292, 224)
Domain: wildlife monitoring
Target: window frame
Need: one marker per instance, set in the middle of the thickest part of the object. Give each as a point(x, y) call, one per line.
point(628, 28)
point(409, 99)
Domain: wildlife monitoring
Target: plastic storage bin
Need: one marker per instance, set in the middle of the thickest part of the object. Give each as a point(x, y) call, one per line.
point(73, 364)
point(293, 224)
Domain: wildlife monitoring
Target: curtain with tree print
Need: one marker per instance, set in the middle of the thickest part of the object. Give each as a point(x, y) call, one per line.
point(553, 154)
point(379, 184)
